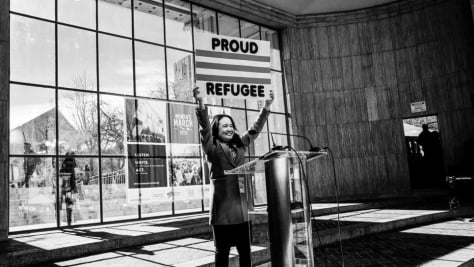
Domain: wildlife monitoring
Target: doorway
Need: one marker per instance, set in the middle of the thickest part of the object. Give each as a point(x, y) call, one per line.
point(425, 155)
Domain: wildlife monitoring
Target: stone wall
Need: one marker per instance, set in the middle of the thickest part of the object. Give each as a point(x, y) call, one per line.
point(350, 79)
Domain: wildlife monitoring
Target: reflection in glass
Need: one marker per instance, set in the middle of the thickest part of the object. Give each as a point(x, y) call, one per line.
point(112, 112)
point(249, 30)
point(148, 22)
point(77, 12)
point(42, 9)
point(277, 124)
point(77, 122)
point(115, 190)
point(180, 75)
point(155, 200)
point(150, 70)
point(178, 24)
point(79, 196)
point(31, 51)
point(228, 25)
point(115, 17)
point(146, 121)
point(187, 184)
point(32, 196)
point(115, 65)
point(204, 20)
point(272, 36)
point(32, 119)
point(260, 145)
point(76, 58)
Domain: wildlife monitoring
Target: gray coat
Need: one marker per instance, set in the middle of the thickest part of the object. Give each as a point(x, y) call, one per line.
point(228, 205)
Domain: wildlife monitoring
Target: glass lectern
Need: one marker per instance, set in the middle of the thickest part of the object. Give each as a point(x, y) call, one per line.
point(289, 210)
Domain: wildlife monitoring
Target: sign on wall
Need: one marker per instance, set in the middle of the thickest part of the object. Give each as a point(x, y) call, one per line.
point(418, 106)
point(230, 67)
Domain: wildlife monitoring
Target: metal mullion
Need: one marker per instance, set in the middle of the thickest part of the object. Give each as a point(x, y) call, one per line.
point(33, 84)
point(166, 50)
point(285, 104)
point(75, 26)
point(33, 17)
point(194, 84)
point(56, 95)
point(101, 202)
point(134, 77)
point(149, 42)
point(167, 96)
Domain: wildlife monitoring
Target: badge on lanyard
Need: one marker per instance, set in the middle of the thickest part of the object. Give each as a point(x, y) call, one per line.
point(241, 184)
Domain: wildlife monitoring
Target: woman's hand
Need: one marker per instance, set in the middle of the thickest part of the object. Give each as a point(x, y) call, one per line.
point(196, 94)
point(268, 102)
point(198, 98)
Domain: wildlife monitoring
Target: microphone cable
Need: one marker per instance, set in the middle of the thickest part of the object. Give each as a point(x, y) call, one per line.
point(337, 204)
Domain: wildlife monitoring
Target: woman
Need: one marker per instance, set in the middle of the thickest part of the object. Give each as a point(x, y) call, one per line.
point(225, 149)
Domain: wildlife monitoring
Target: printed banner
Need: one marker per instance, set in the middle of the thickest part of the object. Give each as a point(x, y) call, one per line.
point(230, 67)
point(146, 150)
point(184, 129)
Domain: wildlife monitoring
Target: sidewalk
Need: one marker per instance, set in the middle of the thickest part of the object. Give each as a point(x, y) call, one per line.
point(187, 240)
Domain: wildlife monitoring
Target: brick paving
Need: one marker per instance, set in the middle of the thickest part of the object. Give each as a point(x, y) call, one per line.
point(448, 243)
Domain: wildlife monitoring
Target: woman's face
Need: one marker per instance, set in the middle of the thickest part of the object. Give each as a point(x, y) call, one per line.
point(226, 129)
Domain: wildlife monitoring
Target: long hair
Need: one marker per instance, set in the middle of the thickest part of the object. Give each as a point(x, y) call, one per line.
point(215, 130)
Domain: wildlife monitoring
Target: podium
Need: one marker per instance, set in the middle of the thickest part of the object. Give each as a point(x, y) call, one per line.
point(288, 204)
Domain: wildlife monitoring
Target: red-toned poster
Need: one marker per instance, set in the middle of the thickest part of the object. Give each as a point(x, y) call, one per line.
point(184, 126)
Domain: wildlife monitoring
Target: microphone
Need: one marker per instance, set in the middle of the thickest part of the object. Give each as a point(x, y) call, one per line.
point(275, 147)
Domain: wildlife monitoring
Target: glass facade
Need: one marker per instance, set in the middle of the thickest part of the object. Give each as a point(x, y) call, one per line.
point(102, 118)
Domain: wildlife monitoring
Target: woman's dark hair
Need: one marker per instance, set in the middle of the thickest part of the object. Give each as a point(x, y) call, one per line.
point(215, 130)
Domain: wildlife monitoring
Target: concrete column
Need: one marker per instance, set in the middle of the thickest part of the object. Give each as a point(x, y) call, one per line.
point(4, 118)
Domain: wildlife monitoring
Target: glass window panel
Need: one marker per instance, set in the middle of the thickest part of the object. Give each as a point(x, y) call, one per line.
point(260, 145)
point(38, 8)
point(32, 51)
point(78, 190)
point(150, 70)
point(180, 75)
point(187, 188)
point(32, 120)
point(228, 25)
point(77, 12)
point(204, 20)
point(148, 22)
point(117, 204)
point(77, 122)
point(76, 58)
point(178, 24)
point(115, 65)
point(272, 36)
point(32, 193)
point(277, 124)
point(249, 30)
point(115, 17)
point(146, 121)
point(112, 133)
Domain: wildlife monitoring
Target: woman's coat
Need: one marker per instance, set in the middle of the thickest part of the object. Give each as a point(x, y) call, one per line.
point(228, 200)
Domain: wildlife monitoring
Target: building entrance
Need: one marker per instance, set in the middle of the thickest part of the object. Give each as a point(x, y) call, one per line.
point(425, 155)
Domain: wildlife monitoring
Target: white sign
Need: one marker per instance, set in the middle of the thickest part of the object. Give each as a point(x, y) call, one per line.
point(418, 107)
point(230, 67)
